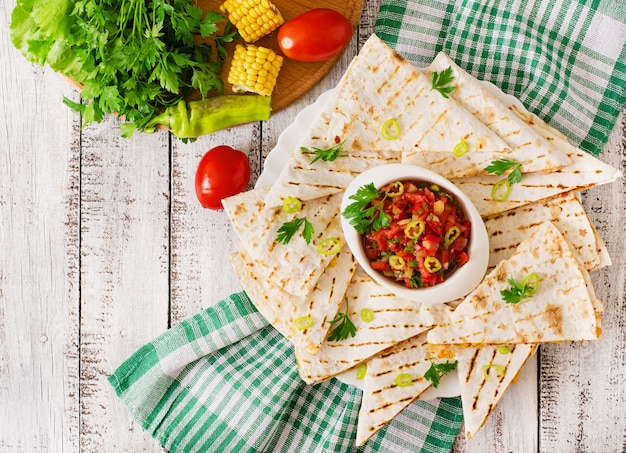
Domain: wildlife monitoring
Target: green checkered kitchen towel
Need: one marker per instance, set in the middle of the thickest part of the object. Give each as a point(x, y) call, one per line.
point(225, 381)
point(564, 59)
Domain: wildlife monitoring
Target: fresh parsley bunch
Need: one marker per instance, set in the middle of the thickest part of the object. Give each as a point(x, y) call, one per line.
point(132, 57)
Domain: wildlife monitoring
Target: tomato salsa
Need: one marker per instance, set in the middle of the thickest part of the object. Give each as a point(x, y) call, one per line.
point(424, 236)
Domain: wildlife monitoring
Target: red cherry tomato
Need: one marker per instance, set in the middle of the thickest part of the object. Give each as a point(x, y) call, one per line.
point(222, 172)
point(316, 35)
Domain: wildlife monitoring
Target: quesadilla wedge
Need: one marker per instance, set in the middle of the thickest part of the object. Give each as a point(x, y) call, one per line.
point(484, 375)
point(585, 171)
point(559, 306)
point(506, 230)
point(525, 143)
point(379, 87)
point(383, 398)
point(394, 319)
point(289, 314)
point(295, 266)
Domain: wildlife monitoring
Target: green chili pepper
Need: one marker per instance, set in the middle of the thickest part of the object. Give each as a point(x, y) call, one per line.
point(501, 190)
point(532, 283)
point(367, 315)
point(291, 205)
point(329, 246)
point(460, 148)
point(397, 262)
point(195, 118)
point(451, 235)
point(404, 380)
point(394, 189)
point(500, 369)
point(361, 370)
point(432, 264)
point(390, 129)
point(303, 322)
point(414, 229)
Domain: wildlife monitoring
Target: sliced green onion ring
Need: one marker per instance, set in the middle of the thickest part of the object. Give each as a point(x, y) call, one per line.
point(291, 204)
point(501, 190)
point(504, 349)
point(451, 235)
point(361, 370)
point(390, 129)
point(404, 380)
point(367, 315)
point(303, 322)
point(329, 246)
point(531, 281)
point(460, 148)
point(432, 264)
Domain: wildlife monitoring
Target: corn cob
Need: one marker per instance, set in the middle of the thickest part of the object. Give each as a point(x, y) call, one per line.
point(254, 69)
point(252, 18)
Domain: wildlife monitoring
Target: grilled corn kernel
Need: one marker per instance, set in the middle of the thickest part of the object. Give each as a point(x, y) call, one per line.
point(252, 18)
point(254, 69)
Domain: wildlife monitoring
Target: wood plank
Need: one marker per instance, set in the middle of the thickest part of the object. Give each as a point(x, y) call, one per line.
point(39, 383)
point(583, 397)
point(202, 239)
point(124, 272)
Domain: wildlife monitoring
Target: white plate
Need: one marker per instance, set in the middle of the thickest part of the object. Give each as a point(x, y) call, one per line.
point(288, 141)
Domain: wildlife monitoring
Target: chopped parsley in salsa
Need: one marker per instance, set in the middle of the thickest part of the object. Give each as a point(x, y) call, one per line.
point(425, 237)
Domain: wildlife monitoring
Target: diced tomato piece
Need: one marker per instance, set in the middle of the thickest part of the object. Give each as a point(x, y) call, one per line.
point(430, 244)
point(380, 265)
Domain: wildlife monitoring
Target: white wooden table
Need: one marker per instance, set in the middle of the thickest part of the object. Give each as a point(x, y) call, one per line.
point(103, 246)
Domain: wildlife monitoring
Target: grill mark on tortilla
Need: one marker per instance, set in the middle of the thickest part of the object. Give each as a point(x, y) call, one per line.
point(483, 382)
point(386, 405)
point(470, 368)
point(395, 326)
point(358, 345)
point(439, 118)
point(553, 316)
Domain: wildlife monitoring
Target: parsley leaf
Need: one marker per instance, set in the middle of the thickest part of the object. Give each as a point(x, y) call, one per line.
point(519, 291)
point(436, 370)
point(361, 214)
point(327, 155)
point(344, 326)
point(442, 81)
point(288, 229)
point(500, 166)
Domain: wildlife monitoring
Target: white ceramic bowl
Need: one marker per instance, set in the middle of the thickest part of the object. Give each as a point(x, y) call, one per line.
point(465, 278)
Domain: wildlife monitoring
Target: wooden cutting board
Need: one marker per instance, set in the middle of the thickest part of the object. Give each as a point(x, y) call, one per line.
point(295, 77)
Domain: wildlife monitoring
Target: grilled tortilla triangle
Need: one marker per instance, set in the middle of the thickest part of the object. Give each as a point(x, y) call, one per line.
point(379, 85)
point(506, 230)
point(564, 307)
point(484, 375)
point(395, 319)
point(526, 143)
point(583, 172)
point(282, 309)
point(295, 266)
point(383, 398)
